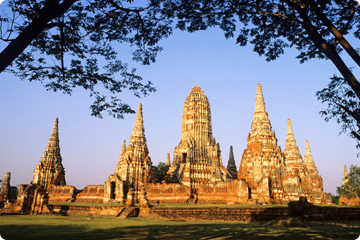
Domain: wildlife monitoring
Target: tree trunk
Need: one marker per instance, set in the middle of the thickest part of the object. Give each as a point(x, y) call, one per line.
point(328, 50)
point(337, 34)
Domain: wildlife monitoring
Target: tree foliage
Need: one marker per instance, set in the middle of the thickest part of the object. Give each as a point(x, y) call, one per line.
point(67, 44)
point(161, 174)
point(351, 183)
point(342, 105)
point(71, 43)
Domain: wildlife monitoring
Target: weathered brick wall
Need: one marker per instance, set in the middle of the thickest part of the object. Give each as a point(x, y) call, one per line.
point(217, 213)
point(219, 193)
point(61, 193)
point(91, 194)
point(86, 210)
point(255, 213)
point(167, 193)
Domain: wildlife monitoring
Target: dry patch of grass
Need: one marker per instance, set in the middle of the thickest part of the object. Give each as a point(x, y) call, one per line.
point(44, 227)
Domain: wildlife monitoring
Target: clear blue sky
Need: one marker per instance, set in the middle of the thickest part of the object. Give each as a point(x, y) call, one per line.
point(228, 74)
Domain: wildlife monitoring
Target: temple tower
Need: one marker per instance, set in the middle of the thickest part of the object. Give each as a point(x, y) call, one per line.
point(50, 169)
point(197, 159)
point(231, 167)
point(294, 174)
point(134, 165)
point(314, 182)
point(262, 162)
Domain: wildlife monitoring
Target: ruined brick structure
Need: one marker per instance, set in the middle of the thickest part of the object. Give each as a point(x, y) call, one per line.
point(293, 176)
point(262, 162)
point(134, 166)
point(274, 176)
point(197, 159)
point(50, 169)
point(314, 189)
point(266, 174)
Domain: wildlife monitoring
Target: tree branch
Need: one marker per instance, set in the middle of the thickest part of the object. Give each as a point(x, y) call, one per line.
point(326, 48)
point(50, 11)
point(337, 34)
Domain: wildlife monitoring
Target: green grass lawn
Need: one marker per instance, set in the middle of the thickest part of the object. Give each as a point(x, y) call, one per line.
point(52, 227)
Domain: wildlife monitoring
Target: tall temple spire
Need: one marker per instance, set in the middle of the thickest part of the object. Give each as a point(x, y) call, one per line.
point(54, 142)
point(139, 130)
point(134, 165)
point(308, 159)
point(231, 167)
point(261, 124)
point(50, 169)
point(123, 151)
point(259, 103)
point(262, 151)
point(290, 144)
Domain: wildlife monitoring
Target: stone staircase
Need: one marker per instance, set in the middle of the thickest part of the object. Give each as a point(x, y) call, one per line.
point(128, 212)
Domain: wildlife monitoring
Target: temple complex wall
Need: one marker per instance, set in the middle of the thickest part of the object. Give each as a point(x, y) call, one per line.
point(167, 193)
point(255, 213)
point(91, 194)
point(58, 193)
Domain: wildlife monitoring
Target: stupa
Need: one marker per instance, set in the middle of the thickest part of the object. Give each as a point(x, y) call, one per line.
point(262, 162)
point(50, 169)
point(133, 169)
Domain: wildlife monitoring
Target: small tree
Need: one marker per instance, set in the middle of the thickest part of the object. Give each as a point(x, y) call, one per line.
point(160, 172)
point(351, 185)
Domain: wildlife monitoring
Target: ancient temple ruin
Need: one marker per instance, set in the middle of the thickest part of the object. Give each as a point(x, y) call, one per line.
point(262, 162)
point(197, 159)
point(274, 176)
point(50, 169)
point(266, 173)
point(134, 166)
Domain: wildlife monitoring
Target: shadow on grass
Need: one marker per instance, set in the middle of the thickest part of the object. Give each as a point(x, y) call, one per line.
point(111, 229)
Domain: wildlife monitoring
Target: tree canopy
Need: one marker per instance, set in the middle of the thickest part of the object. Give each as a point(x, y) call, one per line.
point(73, 43)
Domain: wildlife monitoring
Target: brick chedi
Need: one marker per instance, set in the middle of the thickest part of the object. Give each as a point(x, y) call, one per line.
point(50, 169)
point(262, 161)
point(197, 159)
point(231, 167)
point(294, 174)
point(313, 181)
point(134, 165)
